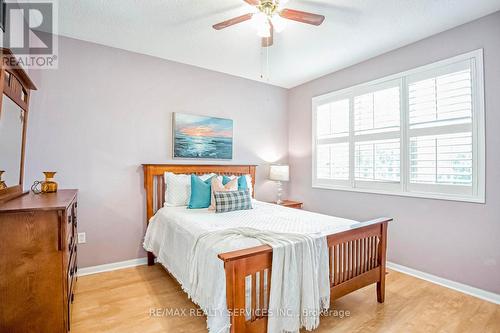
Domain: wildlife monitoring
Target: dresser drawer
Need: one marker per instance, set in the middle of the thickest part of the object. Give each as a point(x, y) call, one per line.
point(71, 275)
point(69, 253)
point(70, 234)
point(69, 309)
point(69, 225)
point(75, 216)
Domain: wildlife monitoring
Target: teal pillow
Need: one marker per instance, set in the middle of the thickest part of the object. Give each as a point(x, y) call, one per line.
point(242, 182)
point(225, 180)
point(200, 193)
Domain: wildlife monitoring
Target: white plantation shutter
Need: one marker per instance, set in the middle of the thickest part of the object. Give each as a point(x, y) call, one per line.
point(418, 133)
point(441, 159)
point(333, 119)
point(332, 137)
point(444, 98)
point(377, 111)
point(377, 136)
point(440, 130)
point(333, 161)
point(377, 160)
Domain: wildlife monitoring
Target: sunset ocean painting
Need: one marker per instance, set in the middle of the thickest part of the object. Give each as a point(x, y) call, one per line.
point(202, 137)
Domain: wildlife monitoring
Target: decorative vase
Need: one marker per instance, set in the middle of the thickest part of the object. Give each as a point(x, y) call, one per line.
point(2, 183)
point(49, 185)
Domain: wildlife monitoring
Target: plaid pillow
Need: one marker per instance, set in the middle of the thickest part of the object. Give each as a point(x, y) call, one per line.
point(232, 200)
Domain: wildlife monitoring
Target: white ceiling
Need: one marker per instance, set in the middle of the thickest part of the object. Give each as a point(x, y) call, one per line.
point(180, 30)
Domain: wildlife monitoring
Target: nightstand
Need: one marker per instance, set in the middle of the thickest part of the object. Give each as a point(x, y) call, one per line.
point(291, 204)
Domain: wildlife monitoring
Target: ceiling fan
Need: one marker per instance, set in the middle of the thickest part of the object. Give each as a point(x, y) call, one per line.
point(270, 17)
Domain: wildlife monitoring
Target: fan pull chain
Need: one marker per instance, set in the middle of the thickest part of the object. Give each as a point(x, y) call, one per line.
point(264, 64)
point(267, 64)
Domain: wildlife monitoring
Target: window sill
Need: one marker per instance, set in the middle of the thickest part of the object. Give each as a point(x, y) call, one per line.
point(435, 196)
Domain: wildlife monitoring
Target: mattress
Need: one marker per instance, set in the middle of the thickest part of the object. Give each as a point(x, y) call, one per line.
point(173, 231)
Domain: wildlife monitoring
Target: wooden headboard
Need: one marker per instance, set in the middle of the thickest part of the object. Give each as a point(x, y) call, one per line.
point(154, 181)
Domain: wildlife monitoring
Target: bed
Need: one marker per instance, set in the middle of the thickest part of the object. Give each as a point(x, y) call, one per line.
point(357, 250)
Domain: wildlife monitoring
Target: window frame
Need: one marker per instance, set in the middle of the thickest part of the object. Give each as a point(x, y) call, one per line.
point(403, 187)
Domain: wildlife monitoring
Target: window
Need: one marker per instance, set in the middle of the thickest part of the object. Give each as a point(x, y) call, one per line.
point(418, 133)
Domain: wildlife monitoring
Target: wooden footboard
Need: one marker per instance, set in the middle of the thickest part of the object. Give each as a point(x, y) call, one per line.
point(357, 259)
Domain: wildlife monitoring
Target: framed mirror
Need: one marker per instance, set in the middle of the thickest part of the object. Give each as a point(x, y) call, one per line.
point(15, 86)
point(11, 143)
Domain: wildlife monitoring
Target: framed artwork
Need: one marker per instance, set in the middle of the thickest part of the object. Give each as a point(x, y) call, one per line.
point(202, 137)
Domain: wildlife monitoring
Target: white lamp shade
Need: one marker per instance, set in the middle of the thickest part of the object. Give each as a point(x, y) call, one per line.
point(279, 173)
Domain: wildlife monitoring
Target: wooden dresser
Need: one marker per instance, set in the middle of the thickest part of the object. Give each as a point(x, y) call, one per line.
point(38, 262)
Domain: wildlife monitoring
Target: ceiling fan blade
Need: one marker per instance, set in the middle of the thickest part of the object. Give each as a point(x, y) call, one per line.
point(232, 21)
point(304, 17)
point(268, 41)
point(252, 2)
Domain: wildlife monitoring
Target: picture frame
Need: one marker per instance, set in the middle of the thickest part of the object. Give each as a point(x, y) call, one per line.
point(201, 137)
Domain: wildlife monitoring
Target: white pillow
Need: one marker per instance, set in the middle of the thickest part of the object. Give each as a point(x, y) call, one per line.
point(178, 188)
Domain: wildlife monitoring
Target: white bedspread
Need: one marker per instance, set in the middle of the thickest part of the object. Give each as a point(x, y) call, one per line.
point(173, 231)
point(300, 288)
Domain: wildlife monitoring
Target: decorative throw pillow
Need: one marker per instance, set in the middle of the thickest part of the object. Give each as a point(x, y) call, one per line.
point(200, 192)
point(242, 181)
point(178, 188)
point(232, 201)
point(221, 186)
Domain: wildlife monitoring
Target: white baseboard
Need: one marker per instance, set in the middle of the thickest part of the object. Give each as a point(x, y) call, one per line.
point(112, 266)
point(473, 291)
point(476, 292)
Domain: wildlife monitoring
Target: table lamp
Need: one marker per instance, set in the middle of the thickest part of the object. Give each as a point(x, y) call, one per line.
point(279, 173)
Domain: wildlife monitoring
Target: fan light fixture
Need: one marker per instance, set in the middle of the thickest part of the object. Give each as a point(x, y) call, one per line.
point(270, 16)
point(261, 24)
point(264, 31)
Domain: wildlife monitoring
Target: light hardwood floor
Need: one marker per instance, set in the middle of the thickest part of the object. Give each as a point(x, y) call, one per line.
point(121, 301)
